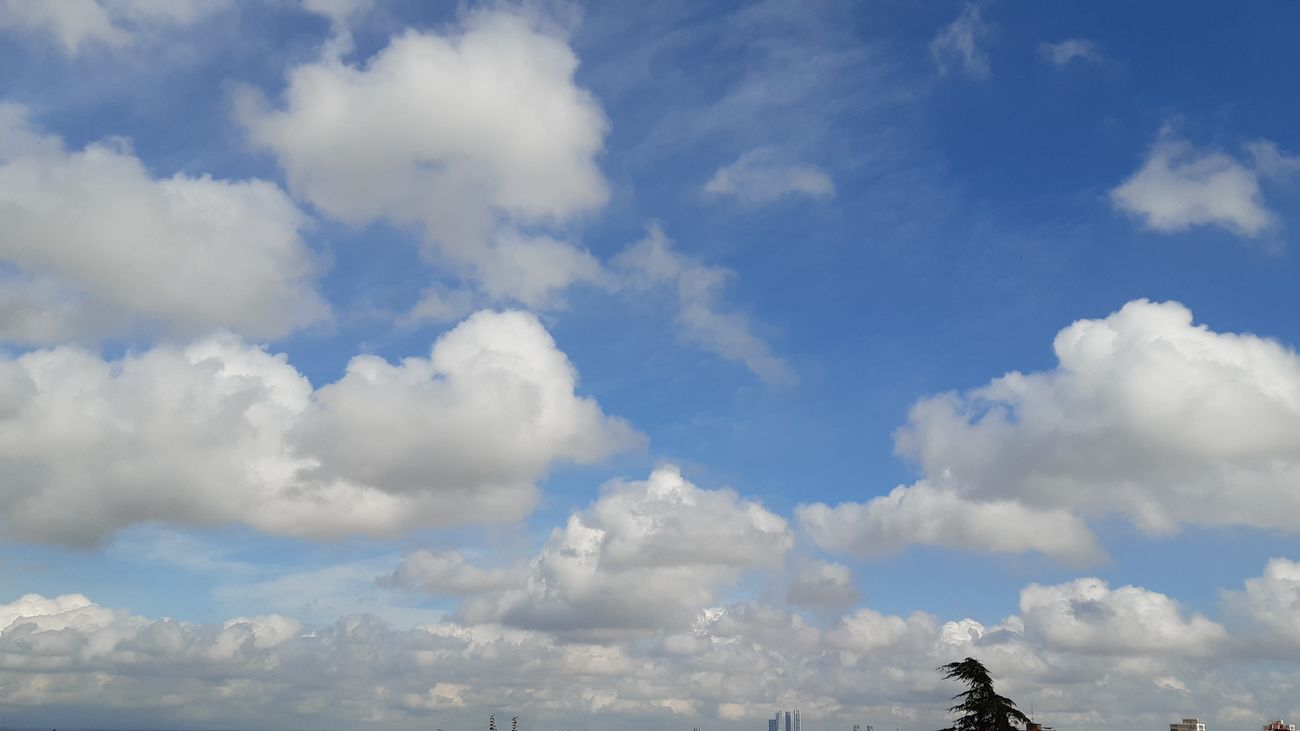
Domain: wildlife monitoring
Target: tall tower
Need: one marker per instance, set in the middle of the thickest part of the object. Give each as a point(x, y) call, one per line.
point(796, 720)
point(787, 721)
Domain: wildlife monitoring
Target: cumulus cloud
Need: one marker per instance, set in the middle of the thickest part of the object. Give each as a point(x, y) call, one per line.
point(1088, 616)
point(653, 262)
point(1268, 605)
point(958, 44)
point(1147, 416)
point(823, 584)
point(1071, 49)
point(647, 554)
point(1084, 653)
point(470, 135)
point(93, 244)
point(1179, 187)
point(923, 514)
point(447, 573)
point(756, 178)
point(220, 431)
point(77, 24)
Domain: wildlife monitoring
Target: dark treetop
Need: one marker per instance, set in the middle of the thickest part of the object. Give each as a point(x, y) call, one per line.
point(981, 708)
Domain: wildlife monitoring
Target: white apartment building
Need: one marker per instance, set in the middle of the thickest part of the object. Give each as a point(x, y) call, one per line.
point(1190, 724)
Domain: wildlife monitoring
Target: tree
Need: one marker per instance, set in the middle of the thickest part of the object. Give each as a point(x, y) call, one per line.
point(981, 708)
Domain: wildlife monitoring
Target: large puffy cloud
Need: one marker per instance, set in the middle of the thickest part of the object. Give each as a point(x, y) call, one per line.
point(1088, 616)
point(480, 137)
point(1268, 607)
point(654, 262)
point(76, 24)
point(469, 134)
point(1146, 416)
point(1179, 187)
point(646, 554)
point(1082, 654)
point(220, 431)
point(92, 243)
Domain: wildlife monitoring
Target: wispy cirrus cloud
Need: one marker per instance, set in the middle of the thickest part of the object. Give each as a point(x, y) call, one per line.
point(960, 44)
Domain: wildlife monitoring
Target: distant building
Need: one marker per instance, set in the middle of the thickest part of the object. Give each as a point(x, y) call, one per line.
point(1191, 724)
point(1279, 725)
point(791, 721)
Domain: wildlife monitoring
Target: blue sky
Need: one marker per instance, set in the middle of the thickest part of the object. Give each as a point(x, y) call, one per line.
point(859, 337)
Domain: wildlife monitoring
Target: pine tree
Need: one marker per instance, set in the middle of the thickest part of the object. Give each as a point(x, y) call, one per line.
point(981, 708)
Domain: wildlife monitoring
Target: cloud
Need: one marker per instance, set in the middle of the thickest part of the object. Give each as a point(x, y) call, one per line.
point(653, 262)
point(76, 24)
point(1071, 49)
point(1088, 616)
point(481, 138)
point(823, 584)
point(959, 44)
point(645, 555)
point(473, 135)
point(1084, 653)
point(93, 244)
point(1268, 604)
point(220, 432)
point(1179, 187)
point(755, 178)
point(447, 573)
point(925, 515)
point(1146, 416)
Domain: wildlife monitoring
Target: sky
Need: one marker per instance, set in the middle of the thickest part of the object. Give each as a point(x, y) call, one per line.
point(376, 364)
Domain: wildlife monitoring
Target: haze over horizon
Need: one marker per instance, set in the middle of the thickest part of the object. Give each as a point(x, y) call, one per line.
point(374, 364)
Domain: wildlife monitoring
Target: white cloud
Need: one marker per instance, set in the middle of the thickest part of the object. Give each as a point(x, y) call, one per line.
point(1071, 49)
point(647, 554)
point(1081, 652)
point(959, 44)
point(447, 573)
point(1270, 604)
point(1271, 163)
point(76, 24)
point(923, 514)
point(1088, 616)
point(1179, 187)
point(470, 134)
point(96, 245)
point(653, 262)
point(756, 178)
point(823, 584)
point(220, 431)
point(1146, 416)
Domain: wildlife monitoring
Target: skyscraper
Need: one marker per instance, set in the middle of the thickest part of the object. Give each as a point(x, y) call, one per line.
point(796, 720)
point(787, 721)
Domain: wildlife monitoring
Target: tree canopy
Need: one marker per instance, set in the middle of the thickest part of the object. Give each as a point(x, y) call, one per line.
point(982, 709)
